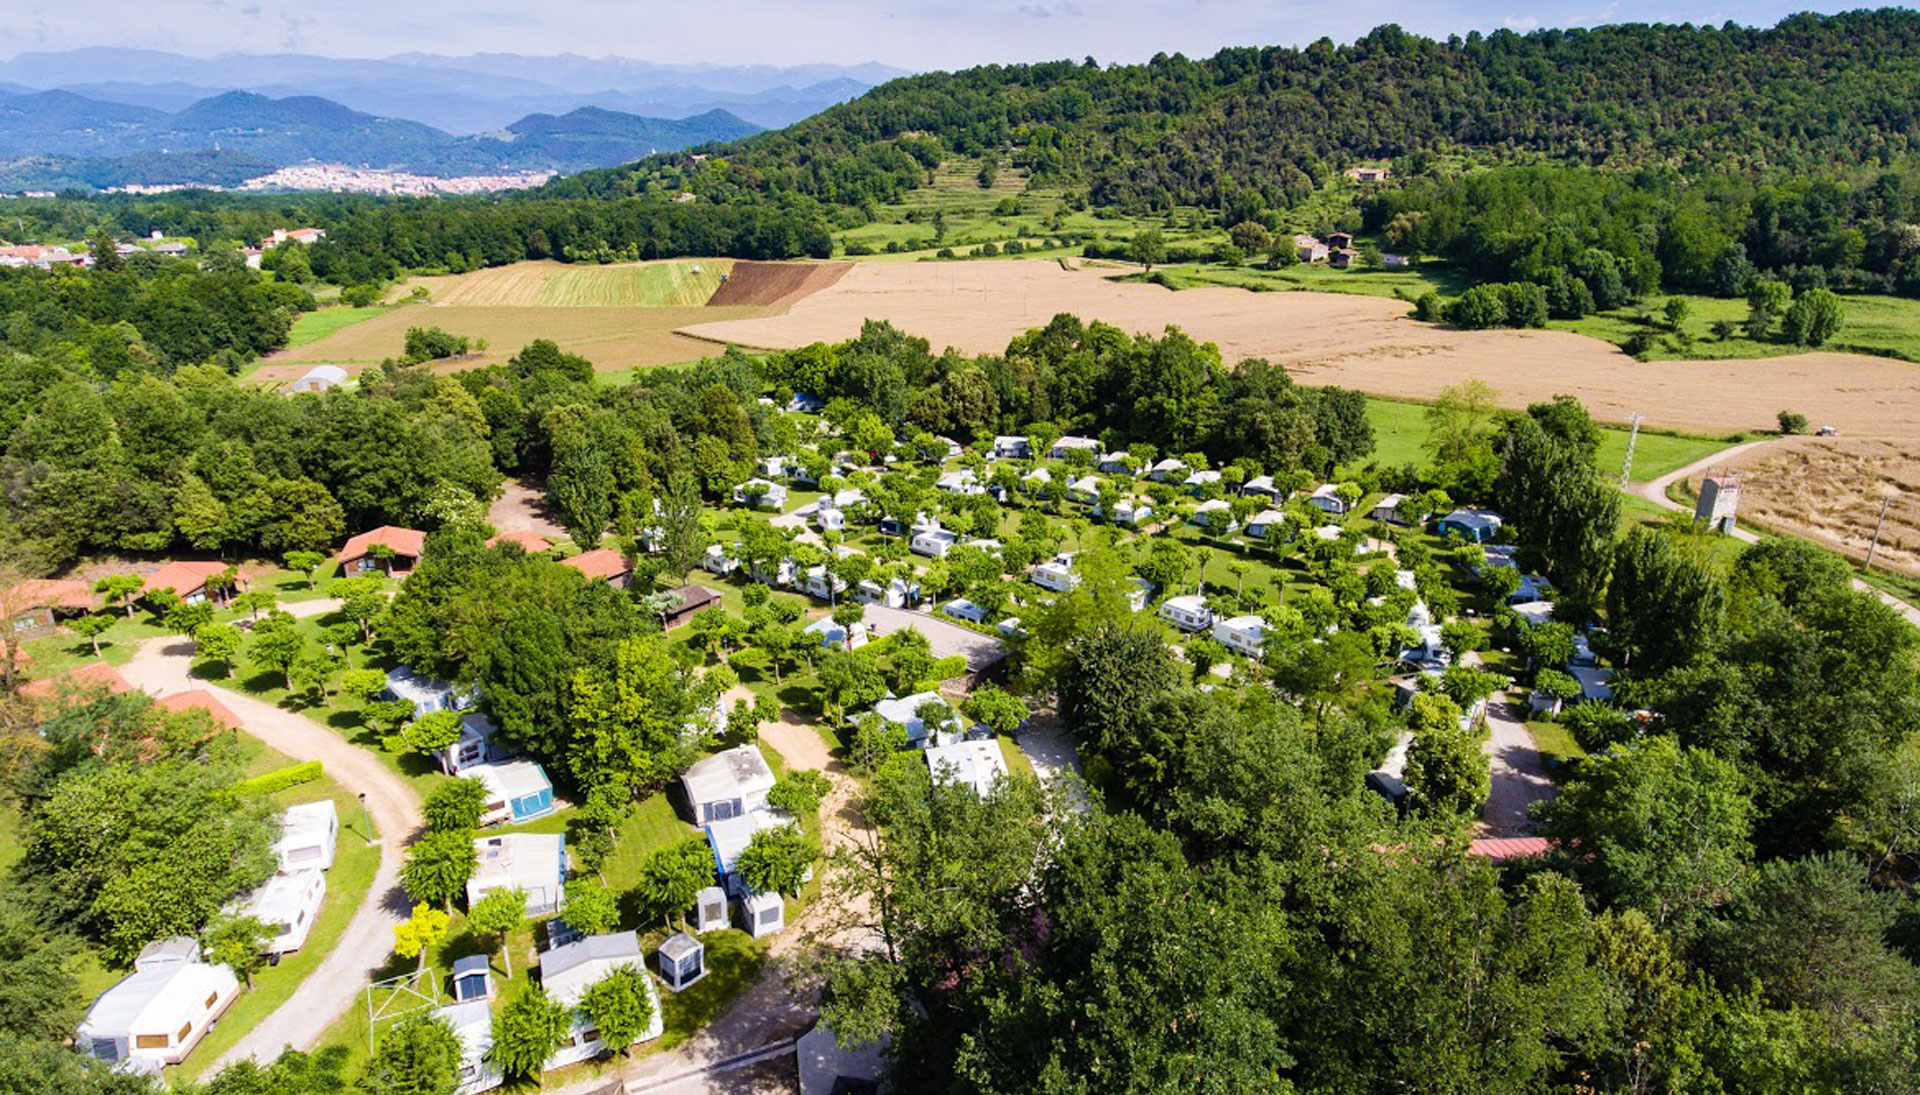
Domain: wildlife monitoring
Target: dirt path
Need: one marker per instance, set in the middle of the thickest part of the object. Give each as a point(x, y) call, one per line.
point(163, 667)
point(1655, 491)
point(1519, 772)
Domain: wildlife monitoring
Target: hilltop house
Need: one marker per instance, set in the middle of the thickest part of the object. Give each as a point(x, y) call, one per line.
point(155, 1015)
point(727, 784)
point(388, 549)
point(535, 863)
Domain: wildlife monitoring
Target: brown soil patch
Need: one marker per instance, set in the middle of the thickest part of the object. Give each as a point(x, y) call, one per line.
point(1829, 490)
point(522, 507)
point(775, 284)
point(1368, 343)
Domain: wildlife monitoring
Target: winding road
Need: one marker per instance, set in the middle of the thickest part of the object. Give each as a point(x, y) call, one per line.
point(163, 667)
point(1655, 491)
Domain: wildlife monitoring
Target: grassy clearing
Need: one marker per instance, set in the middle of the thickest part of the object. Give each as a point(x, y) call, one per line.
point(1319, 277)
point(1555, 743)
point(1881, 325)
point(311, 327)
point(1400, 433)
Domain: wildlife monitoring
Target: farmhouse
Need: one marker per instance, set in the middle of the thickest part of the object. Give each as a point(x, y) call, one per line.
point(727, 784)
point(977, 765)
point(156, 1015)
point(287, 904)
point(533, 862)
point(1188, 612)
point(308, 832)
point(1309, 250)
point(388, 549)
point(904, 711)
point(1246, 634)
point(1479, 526)
point(195, 581)
point(517, 790)
point(603, 564)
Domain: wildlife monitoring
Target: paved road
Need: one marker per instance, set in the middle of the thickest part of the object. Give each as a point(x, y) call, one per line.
point(946, 639)
point(1519, 772)
point(163, 667)
point(1655, 491)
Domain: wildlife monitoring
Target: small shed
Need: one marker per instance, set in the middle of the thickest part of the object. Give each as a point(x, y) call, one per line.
point(693, 601)
point(388, 549)
point(517, 790)
point(763, 914)
point(682, 960)
point(603, 564)
point(709, 910)
point(320, 378)
point(473, 977)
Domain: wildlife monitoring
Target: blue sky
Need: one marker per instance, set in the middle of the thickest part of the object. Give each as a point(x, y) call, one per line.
point(933, 34)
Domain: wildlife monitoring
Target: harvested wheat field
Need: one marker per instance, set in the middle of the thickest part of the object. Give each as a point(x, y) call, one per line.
point(775, 284)
point(1361, 342)
point(612, 338)
point(671, 283)
point(1829, 490)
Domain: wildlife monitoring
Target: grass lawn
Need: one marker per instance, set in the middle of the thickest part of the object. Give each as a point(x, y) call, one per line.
point(1318, 277)
point(1883, 325)
point(1018, 766)
point(313, 326)
point(1400, 432)
point(1555, 743)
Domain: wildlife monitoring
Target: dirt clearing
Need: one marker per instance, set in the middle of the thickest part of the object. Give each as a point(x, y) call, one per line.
point(1361, 342)
point(775, 284)
point(1829, 490)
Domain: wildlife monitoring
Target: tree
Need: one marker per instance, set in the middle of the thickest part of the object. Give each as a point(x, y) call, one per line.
point(620, 1005)
point(910, 657)
point(526, 1031)
point(277, 645)
point(361, 601)
point(1446, 773)
point(1108, 685)
point(438, 866)
point(628, 721)
point(672, 877)
point(240, 944)
point(799, 792)
point(1657, 828)
point(777, 860)
point(1675, 312)
point(1813, 318)
point(591, 907)
point(1251, 237)
point(1148, 248)
point(1665, 606)
point(496, 917)
point(1791, 422)
point(995, 708)
point(433, 734)
point(186, 619)
point(121, 589)
point(1565, 515)
point(95, 624)
point(848, 616)
point(254, 602)
point(418, 1055)
point(416, 936)
point(307, 563)
point(455, 806)
point(1766, 300)
point(680, 524)
point(849, 679)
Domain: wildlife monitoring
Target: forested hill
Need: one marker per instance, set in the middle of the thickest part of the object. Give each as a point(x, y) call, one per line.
point(1253, 127)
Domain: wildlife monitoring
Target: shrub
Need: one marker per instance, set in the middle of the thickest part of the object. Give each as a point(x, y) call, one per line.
point(293, 775)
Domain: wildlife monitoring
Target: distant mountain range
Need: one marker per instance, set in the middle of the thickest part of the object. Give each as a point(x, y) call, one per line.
point(58, 138)
point(461, 95)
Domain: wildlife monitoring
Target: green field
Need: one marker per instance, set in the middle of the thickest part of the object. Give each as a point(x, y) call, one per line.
point(1319, 277)
point(1881, 325)
point(311, 327)
point(672, 283)
point(1400, 432)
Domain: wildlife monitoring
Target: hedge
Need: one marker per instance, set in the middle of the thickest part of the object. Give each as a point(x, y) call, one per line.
point(293, 775)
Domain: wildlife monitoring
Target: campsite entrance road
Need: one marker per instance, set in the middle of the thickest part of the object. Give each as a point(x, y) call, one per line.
point(163, 667)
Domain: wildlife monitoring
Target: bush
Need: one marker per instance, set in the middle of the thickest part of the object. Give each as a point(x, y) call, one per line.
point(1597, 726)
point(1640, 343)
point(1792, 422)
point(293, 775)
point(359, 296)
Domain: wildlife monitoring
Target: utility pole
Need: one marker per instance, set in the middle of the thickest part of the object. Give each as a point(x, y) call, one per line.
point(1886, 499)
point(1633, 437)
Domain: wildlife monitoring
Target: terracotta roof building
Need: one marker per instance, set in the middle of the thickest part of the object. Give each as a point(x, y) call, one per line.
point(406, 544)
point(188, 579)
point(90, 675)
point(530, 541)
point(203, 700)
point(603, 563)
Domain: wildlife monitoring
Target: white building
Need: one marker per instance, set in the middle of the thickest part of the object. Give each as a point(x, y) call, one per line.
point(1131, 511)
point(829, 517)
point(1326, 498)
point(962, 482)
point(1477, 525)
point(472, 1023)
point(727, 784)
point(1069, 444)
point(1055, 574)
point(1139, 592)
point(156, 1015)
point(897, 593)
point(1085, 490)
point(904, 711)
point(569, 970)
point(1114, 463)
point(728, 837)
point(761, 494)
point(715, 560)
point(309, 832)
point(1035, 479)
point(962, 609)
point(474, 746)
point(1188, 612)
point(828, 632)
point(933, 542)
point(1215, 516)
point(772, 467)
point(287, 904)
point(976, 764)
point(1246, 634)
point(1008, 447)
point(1534, 613)
point(1260, 486)
point(426, 694)
point(320, 378)
point(518, 790)
point(818, 581)
point(533, 862)
point(1167, 468)
point(1201, 480)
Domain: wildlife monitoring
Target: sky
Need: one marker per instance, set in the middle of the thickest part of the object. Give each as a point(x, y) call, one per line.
point(913, 35)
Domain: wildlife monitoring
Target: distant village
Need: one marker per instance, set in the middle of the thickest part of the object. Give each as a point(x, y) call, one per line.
point(341, 179)
point(47, 256)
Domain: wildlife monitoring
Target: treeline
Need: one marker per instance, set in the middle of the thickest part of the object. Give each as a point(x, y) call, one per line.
point(1249, 130)
point(1599, 240)
point(146, 313)
point(1090, 378)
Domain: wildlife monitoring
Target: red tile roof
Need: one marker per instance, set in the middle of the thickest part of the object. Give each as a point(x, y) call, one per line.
point(52, 593)
point(185, 575)
point(1501, 849)
point(531, 541)
point(90, 675)
point(203, 700)
point(600, 563)
point(403, 541)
